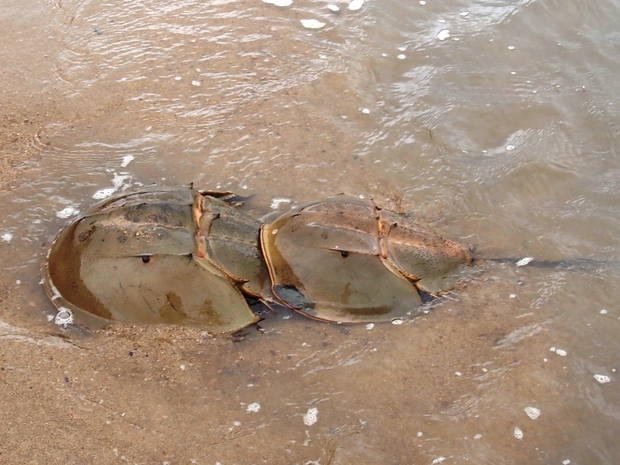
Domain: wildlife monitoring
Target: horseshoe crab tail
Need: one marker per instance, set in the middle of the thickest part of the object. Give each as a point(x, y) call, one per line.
point(567, 264)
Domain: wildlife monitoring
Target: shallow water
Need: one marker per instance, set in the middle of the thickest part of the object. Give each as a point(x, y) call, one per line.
point(496, 122)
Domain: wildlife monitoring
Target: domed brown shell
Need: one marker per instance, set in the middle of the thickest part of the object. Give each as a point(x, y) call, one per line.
point(133, 259)
point(344, 259)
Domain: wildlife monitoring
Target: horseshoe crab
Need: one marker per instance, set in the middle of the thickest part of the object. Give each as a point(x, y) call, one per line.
point(184, 256)
point(159, 256)
point(345, 259)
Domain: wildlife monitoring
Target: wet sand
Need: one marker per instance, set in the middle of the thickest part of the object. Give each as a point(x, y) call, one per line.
point(450, 386)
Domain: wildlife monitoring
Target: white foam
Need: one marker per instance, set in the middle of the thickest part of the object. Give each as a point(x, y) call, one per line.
point(7, 237)
point(126, 160)
point(397, 321)
point(333, 7)
point(443, 34)
point(196, 83)
point(355, 5)
point(67, 212)
point(279, 2)
point(253, 407)
point(104, 193)
point(311, 416)
point(275, 202)
point(118, 181)
point(311, 23)
point(370, 326)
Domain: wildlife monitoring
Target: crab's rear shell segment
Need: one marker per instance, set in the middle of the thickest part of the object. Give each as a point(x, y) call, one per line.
point(423, 256)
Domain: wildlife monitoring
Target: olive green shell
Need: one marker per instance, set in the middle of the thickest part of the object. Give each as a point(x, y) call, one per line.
point(344, 259)
point(135, 259)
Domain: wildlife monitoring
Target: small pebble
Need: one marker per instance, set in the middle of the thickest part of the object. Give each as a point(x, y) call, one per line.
point(518, 433)
point(369, 326)
point(602, 378)
point(532, 412)
point(311, 416)
point(64, 317)
point(525, 261)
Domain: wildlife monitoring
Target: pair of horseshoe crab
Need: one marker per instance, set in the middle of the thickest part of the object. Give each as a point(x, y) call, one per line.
point(185, 256)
